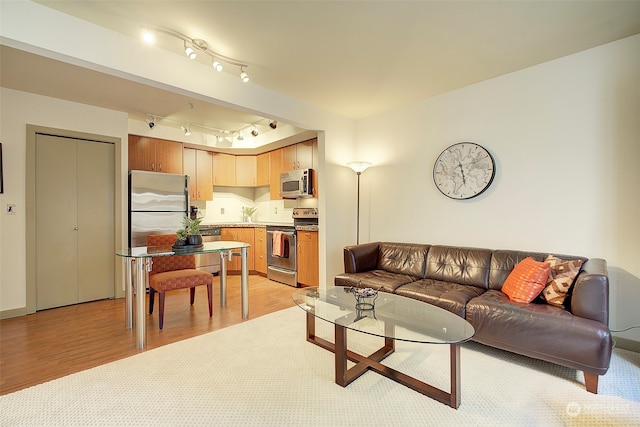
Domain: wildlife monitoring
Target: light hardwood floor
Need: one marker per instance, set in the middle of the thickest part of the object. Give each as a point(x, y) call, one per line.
point(53, 343)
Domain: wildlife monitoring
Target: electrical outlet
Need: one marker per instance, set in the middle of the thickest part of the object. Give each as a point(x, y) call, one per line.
point(222, 211)
point(275, 210)
point(11, 209)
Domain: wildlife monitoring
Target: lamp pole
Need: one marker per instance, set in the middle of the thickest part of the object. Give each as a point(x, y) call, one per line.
point(358, 211)
point(358, 168)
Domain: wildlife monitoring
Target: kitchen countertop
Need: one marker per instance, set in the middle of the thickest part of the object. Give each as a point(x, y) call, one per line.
point(260, 225)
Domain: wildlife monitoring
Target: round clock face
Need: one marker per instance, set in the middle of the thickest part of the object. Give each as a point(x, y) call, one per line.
point(463, 170)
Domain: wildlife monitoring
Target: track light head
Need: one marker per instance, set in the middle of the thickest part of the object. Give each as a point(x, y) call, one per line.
point(186, 130)
point(243, 75)
point(188, 50)
point(217, 65)
point(254, 131)
point(151, 122)
point(240, 136)
point(273, 124)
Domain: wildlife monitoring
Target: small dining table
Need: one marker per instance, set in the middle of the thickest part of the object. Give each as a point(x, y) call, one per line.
point(138, 261)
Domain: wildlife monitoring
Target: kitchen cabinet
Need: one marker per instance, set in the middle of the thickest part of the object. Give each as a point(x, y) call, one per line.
point(198, 164)
point(263, 169)
point(224, 169)
point(240, 234)
point(297, 156)
point(275, 168)
point(155, 155)
point(246, 171)
point(260, 238)
point(308, 271)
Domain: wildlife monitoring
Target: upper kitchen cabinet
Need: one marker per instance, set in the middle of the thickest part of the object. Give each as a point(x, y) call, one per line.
point(275, 169)
point(224, 169)
point(156, 155)
point(246, 171)
point(298, 156)
point(263, 168)
point(198, 164)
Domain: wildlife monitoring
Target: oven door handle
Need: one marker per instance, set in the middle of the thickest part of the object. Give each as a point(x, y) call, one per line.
point(286, 233)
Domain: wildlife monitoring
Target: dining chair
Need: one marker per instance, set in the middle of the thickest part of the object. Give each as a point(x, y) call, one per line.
point(174, 272)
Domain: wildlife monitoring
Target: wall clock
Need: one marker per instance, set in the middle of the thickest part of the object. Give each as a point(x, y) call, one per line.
point(464, 170)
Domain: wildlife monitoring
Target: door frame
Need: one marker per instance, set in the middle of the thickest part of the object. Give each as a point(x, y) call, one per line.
point(30, 204)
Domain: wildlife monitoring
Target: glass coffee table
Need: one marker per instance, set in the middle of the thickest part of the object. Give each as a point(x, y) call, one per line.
point(392, 317)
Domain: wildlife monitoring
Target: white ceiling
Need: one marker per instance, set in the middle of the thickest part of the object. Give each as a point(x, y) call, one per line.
point(353, 58)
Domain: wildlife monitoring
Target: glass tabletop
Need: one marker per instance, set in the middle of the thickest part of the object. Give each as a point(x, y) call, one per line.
point(153, 251)
point(393, 316)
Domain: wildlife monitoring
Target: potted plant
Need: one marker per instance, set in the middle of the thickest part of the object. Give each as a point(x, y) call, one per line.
point(248, 212)
point(182, 237)
point(192, 228)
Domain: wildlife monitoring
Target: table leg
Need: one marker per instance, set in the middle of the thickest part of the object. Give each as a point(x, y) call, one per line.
point(128, 293)
point(142, 266)
point(223, 278)
point(244, 285)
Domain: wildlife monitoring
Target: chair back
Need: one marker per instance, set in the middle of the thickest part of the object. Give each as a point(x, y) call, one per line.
point(168, 263)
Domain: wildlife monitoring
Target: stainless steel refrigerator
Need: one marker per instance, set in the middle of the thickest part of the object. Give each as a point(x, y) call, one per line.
point(158, 203)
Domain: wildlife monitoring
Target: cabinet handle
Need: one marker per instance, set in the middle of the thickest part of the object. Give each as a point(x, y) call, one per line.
point(159, 166)
point(153, 166)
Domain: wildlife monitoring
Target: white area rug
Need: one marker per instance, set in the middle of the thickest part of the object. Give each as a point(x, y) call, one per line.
point(264, 373)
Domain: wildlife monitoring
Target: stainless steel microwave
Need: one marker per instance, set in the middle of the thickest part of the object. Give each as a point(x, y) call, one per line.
point(296, 184)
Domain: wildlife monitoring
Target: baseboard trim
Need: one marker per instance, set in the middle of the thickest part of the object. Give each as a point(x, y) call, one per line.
point(15, 312)
point(627, 344)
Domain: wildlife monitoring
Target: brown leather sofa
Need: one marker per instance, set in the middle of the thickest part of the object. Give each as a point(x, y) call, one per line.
point(468, 281)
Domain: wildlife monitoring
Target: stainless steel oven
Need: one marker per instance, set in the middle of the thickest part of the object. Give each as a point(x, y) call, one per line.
point(282, 264)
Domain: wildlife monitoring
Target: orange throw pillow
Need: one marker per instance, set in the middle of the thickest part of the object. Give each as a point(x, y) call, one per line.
point(526, 280)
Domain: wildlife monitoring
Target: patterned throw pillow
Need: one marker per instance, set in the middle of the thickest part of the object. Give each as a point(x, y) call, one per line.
point(526, 280)
point(561, 278)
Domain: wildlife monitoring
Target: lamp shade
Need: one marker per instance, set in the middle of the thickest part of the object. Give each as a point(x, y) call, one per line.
point(359, 167)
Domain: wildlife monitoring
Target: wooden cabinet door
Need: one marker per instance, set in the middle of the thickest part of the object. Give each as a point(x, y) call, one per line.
point(288, 158)
point(261, 250)
point(275, 169)
point(304, 154)
point(168, 156)
point(224, 169)
point(263, 169)
point(246, 171)
point(189, 168)
point(240, 234)
point(204, 173)
point(142, 153)
point(308, 271)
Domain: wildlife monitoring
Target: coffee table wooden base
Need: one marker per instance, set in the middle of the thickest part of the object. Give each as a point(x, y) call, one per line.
point(345, 376)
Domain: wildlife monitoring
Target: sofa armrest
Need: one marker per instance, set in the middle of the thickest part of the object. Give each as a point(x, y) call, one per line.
point(590, 297)
point(359, 258)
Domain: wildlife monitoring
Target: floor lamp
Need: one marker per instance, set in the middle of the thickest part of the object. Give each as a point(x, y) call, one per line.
point(358, 168)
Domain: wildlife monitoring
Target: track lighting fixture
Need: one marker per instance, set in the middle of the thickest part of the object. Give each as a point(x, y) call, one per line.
point(240, 136)
point(273, 124)
point(194, 46)
point(151, 122)
point(186, 130)
point(254, 131)
point(243, 75)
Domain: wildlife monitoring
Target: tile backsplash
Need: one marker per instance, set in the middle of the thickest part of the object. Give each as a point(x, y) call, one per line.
point(227, 204)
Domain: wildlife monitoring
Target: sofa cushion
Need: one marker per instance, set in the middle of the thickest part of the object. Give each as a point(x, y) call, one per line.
point(376, 279)
point(526, 280)
point(561, 277)
point(541, 331)
point(450, 296)
point(466, 266)
point(403, 258)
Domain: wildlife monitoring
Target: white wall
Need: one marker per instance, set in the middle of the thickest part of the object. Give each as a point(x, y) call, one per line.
point(566, 139)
